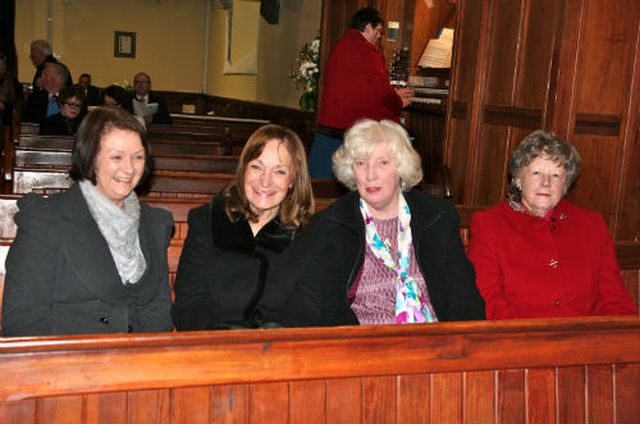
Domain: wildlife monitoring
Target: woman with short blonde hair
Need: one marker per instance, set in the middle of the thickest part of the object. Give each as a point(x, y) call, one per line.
point(382, 254)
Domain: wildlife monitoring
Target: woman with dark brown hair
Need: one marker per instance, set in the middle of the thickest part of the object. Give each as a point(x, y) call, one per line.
point(233, 240)
point(92, 259)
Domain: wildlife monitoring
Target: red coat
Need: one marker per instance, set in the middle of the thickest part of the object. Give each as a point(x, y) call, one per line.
point(356, 84)
point(564, 265)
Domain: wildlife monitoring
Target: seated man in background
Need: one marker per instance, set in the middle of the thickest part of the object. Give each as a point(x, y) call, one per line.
point(146, 104)
point(91, 93)
point(42, 104)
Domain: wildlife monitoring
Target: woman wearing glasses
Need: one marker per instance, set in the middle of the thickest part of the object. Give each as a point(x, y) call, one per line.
point(72, 112)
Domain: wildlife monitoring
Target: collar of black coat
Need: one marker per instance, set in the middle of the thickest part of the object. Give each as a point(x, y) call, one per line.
point(237, 236)
point(425, 209)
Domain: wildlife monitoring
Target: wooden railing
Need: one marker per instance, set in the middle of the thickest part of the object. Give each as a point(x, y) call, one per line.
point(570, 370)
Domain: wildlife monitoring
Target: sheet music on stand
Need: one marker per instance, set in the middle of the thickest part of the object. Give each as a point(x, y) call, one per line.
point(437, 54)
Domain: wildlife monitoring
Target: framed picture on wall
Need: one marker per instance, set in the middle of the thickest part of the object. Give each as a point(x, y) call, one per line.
point(124, 44)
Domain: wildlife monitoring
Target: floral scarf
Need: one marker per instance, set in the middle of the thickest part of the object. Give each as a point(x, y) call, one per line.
point(411, 305)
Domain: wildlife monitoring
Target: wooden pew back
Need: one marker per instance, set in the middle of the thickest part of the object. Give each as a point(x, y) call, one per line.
point(535, 371)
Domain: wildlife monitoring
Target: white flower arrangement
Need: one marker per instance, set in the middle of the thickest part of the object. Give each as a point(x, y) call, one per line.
point(306, 74)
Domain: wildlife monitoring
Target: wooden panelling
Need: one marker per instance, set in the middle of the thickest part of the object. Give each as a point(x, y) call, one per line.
point(191, 405)
point(18, 412)
point(594, 189)
point(627, 387)
point(505, 40)
point(536, 38)
point(107, 408)
point(599, 389)
point(379, 400)
point(414, 394)
point(344, 400)
point(511, 396)
point(571, 395)
point(446, 398)
point(479, 395)
point(512, 116)
point(60, 410)
point(307, 402)
point(587, 123)
point(230, 404)
point(569, 66)
point(541, 396)
point(504, 372)
point(269, 403)
point(149, 406)
point(607, 44)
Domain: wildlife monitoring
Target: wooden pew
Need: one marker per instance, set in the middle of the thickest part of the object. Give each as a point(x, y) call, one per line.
point(232, 132)
point(28, 157)
point(515, 371)
point(165, 144)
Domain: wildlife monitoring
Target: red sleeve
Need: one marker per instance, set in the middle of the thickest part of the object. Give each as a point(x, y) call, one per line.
point(378, 78)
point(483, 253)
point(614, 298)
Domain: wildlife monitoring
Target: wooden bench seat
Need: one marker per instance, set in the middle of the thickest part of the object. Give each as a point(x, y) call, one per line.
point(535, 371)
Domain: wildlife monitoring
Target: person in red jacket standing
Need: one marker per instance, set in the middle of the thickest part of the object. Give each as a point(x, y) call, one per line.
point(356, 86)
point(536, 255)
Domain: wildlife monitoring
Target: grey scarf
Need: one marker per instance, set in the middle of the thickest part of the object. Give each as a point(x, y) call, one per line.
point(119, 227)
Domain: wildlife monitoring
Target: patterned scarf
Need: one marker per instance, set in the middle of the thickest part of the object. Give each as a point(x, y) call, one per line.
point(411, 305)
point(119, 227)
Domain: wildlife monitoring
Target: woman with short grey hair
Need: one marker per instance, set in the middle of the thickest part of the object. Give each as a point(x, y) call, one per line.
point(538, 255)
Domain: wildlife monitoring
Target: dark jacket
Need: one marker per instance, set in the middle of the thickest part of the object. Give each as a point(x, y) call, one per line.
point(325, 260)
point(59, 125)
point(35, 109)
point(92, 96)
point(223, 268)
point(62, 279)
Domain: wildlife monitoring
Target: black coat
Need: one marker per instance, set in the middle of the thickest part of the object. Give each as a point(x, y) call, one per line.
point(62, 279)
point(57, 124)
point(223, 268)
point(35, 110)
point(92, 96)
point(322, 264)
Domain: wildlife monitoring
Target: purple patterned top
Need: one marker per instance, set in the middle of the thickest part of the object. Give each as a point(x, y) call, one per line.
point(374, 302)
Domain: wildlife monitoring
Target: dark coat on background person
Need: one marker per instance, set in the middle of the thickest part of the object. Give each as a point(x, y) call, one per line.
point(223, 268)
point(163, 116)
point(62, 279)
point(92, 96)
point(35, 109)
point(59, 125)
point(324, 262)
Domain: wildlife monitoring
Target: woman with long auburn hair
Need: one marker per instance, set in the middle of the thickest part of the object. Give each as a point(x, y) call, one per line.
point(234, 240)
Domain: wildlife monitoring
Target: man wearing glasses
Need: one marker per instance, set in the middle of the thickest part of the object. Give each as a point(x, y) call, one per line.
point(147, 104)
point(356, 86)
